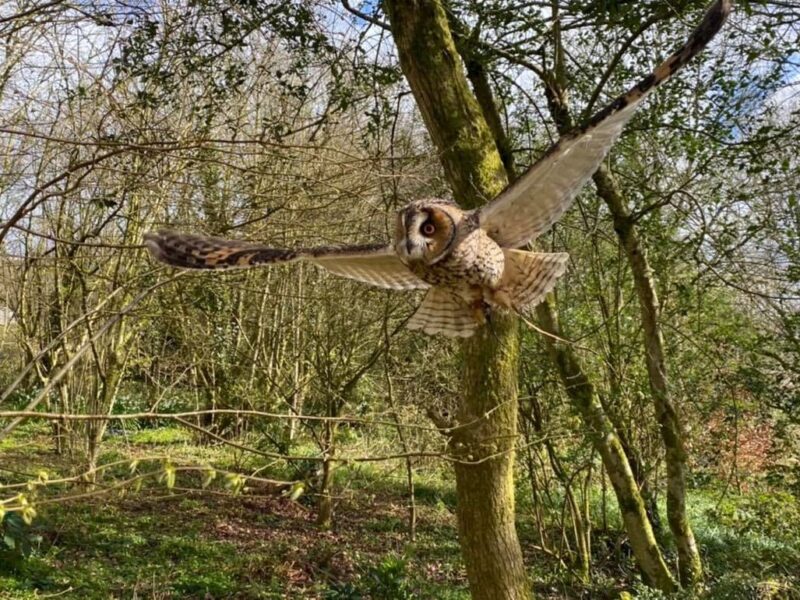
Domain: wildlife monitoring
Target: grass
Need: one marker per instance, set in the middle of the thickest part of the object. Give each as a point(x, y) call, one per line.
point(179, 545)
point(161, 436)
point(190, 543)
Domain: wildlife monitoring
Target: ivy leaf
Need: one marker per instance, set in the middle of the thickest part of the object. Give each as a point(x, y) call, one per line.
point(296, 490)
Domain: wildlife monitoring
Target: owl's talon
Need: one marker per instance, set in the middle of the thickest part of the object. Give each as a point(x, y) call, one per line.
point(490, 322)
point(487, 313)
point(479, 311)
point(501, 297)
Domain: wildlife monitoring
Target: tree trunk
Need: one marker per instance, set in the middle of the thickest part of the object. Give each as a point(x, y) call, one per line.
point(325, 500)
point(401, 434)
point(636, 462)
point(689, 564)
point(485, 490)
point(472, 165)
point(452, 116)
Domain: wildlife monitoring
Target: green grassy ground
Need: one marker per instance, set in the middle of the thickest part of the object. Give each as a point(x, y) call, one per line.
point(185, 543)
point(193, 543)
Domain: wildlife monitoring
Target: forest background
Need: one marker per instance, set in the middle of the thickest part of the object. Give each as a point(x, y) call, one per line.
point(277, 432)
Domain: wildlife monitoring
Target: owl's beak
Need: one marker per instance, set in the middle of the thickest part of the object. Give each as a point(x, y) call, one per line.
point(414, 250)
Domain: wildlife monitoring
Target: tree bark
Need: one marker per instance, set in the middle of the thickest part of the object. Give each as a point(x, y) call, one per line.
point(485, 489)
point(451, 114)
point(474, 170)
point(690, 565)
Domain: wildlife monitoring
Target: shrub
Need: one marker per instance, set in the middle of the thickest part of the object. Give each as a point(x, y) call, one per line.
point(17, 542)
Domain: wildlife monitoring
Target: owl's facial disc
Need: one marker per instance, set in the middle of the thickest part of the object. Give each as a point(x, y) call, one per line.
point(423, 234)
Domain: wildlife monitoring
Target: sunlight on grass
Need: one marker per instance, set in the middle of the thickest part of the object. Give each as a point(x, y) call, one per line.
point(162, 435)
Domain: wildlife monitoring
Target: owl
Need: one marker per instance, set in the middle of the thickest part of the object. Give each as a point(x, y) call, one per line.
point(470, 262)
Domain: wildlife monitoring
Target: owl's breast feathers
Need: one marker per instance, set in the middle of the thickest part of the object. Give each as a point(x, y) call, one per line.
point(473, 260)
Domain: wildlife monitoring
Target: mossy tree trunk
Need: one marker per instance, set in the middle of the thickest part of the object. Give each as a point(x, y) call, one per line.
point(690, 566)
point(484, 477)
point(472, 165)
point(689, 563)
point(451, 113)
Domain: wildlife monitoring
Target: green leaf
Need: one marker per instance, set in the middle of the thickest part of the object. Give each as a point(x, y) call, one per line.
point(296, 490)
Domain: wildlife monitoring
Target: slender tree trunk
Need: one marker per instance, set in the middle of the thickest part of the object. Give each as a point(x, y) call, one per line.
point(325, 501)
point(533, 428)
point(474, 170)
point(581, 562)
point(298, 391)
point(62, 429)
point(401, 434)
point(105, 398)
point(605, 440)
point(689, 564)
point(637, 465)
point(581, 521)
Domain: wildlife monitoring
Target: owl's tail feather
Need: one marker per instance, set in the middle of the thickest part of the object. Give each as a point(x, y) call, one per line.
point(529, 276)
point(443, 312)
point(200, 252)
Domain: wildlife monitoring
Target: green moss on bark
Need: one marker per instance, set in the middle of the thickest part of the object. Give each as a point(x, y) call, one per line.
point(433, 67)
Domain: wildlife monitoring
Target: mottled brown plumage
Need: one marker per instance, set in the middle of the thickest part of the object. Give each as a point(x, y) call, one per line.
point(469, 259)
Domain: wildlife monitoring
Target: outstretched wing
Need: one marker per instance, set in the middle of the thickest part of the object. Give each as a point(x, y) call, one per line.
point(374, 264)
point(529, 207)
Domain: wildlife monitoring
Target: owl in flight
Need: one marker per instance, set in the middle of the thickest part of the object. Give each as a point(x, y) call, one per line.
point(469, 261)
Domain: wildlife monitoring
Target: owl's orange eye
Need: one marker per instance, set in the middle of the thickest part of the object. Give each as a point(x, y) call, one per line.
point(428, 229)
